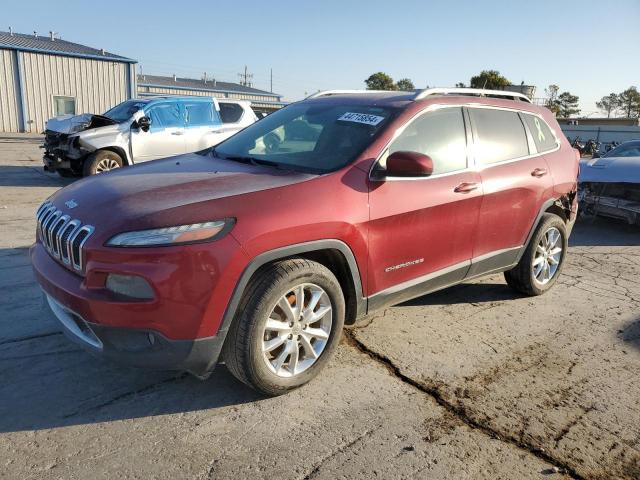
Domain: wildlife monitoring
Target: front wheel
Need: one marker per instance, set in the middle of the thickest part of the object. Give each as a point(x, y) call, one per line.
point(540, 266)
point(101, 161)
point(288, 325)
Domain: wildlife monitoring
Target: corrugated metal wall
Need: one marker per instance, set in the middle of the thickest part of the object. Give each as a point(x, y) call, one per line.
point(96, 85)
point(9, 114)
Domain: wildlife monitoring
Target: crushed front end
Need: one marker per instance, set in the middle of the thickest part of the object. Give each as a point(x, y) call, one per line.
point(619, 200)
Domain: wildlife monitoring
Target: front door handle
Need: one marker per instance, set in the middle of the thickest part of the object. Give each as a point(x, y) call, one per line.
point(539, 172)
point(178, 132)
point(466, 187)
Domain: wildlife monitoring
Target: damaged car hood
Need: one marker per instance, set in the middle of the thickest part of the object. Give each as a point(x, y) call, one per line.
point(76, 123)
point(610, 170)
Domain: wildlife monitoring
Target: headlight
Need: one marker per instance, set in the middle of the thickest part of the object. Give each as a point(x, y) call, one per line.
point(196, 232)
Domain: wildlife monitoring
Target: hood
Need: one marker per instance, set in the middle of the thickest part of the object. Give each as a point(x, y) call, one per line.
point(179, 190)
point(68, 124)
point(610, 170)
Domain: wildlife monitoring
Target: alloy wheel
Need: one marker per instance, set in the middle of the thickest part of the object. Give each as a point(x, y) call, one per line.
point(297, 330)
point(548, 256)
point(107, 164)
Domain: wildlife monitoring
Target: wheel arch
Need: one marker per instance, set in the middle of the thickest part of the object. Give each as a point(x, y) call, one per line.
point(115, 149)
point(557, 206)
point(332, 253)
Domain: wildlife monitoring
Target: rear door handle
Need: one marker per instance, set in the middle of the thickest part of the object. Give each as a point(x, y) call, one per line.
point(178, 132)
point(466, 187)
point(539, 172)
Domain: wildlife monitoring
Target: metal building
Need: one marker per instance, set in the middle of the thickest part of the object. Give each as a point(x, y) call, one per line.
point(261, 100)
point(43, 77)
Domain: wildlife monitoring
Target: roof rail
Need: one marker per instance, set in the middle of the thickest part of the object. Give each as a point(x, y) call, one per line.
point(327, 93)
point(471, 91)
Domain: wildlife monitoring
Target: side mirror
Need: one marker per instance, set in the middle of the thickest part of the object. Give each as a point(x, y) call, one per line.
point(409, 164)
point(143, 123)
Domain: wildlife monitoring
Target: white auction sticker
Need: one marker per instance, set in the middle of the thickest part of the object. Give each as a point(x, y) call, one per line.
point(361, 118)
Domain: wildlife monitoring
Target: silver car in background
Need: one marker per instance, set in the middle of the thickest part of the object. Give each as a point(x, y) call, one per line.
point(140, 130)
point(610, 185)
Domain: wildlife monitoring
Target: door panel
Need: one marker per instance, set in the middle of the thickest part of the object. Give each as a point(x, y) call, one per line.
point(423, 221)
point(165, 137)
point(513, 181)
point(422, 229)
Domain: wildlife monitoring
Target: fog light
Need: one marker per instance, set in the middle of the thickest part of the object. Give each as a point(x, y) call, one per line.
point(130, 286)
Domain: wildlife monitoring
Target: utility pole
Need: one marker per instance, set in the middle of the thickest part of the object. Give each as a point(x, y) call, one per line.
point(271, 71)
point(245, 77)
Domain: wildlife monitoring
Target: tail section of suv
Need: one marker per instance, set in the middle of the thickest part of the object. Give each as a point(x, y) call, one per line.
point(259, 250)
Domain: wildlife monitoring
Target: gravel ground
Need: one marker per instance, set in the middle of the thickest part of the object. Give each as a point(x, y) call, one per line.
point(470, 382)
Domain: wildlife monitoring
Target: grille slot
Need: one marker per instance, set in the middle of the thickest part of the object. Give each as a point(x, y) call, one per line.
point(62, 236)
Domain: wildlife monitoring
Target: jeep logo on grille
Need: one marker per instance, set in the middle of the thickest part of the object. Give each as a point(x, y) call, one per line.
point(71, 203)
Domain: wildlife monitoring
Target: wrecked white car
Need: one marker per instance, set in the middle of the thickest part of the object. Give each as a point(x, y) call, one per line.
point(140, 130)
point(610, 185)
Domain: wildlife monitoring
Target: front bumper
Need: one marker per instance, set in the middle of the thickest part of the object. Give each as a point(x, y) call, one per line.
point(139, 348)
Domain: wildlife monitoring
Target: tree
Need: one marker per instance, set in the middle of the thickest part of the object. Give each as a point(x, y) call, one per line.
point(380, 81)
point(630, 102)
point(552, 98)
point(405, 85)
point(490, 79)
point(460, 85)
point(608, 103)
point(567, 104)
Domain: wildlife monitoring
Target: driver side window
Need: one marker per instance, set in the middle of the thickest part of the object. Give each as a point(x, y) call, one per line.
point(439, 134)
point(165, 115)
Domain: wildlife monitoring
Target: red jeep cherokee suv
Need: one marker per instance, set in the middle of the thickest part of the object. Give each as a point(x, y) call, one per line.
point(259, 251)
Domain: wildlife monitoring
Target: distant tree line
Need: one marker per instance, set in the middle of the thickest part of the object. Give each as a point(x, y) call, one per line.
point(623, 104)
point(562, 104)
point(382, 81)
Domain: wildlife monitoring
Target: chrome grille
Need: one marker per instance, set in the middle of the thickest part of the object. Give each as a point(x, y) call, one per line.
point(62, 236)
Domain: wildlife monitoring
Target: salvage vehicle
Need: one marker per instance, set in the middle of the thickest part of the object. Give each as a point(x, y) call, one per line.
point(258, 252)
point(610, 185)
point(140, 130)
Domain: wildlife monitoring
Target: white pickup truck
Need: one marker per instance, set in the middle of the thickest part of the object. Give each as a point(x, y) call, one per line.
point(140, 130)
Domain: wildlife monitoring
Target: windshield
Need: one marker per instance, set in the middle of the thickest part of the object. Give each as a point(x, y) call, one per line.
point(629, 150)
point(308, 137)
point(124, 111)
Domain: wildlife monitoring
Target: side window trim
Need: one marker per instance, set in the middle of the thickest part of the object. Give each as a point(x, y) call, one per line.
point(470, 162)
point(533, 149)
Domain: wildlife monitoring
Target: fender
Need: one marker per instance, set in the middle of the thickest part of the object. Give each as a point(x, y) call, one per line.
point(543, 209)
point(289, 251)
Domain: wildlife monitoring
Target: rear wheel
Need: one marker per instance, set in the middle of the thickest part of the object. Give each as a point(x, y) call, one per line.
point(542, 261)
point(101, 161)
point(287, 327)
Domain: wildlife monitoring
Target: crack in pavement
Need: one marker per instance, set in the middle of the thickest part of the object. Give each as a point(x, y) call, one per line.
point(30, 337)
point(341, 448)
point(565, 430)
point(122, 396)
point(460, 411)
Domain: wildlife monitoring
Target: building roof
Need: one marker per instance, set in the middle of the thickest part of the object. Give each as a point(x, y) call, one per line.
point(44, 44)
point(200, 85)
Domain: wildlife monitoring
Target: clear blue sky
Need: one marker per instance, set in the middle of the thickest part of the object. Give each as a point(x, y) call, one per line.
point(588, 47)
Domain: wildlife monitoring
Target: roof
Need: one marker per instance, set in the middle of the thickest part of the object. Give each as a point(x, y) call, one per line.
point(200, 85)
point(44, 44)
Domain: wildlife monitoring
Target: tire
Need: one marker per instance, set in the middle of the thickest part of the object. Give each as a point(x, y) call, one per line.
point(249, 333)
point(101, 161)
point(525, 278)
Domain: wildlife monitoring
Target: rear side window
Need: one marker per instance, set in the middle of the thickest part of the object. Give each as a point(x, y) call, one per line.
point(439, 134)
point(165, 115)
point(230, 112)
point(500, 135)
point(542, 136)
point(200, 114)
